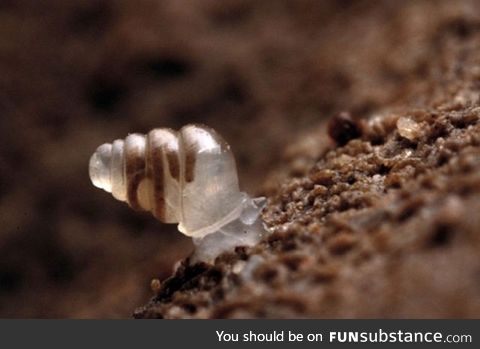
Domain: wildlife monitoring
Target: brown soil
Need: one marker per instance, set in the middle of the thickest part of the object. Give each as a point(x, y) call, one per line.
point(373, 221)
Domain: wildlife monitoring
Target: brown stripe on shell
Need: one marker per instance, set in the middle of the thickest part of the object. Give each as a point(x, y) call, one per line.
point(158, 179)
point(134, 173)
point(148, 170)
point(190, 159)
point(173, 164)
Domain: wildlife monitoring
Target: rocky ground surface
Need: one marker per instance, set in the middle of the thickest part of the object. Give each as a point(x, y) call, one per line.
point(359, 120)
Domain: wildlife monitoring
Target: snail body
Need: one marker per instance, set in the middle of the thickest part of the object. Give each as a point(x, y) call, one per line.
point(187, 177)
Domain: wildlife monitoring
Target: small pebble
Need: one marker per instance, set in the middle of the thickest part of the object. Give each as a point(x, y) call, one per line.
point(155, 285)
point(342, 128)
point(408, 128)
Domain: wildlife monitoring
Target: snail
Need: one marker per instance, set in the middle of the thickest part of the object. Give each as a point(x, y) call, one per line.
point(187, 177)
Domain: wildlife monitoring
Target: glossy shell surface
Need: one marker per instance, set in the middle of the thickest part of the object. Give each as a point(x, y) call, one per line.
point(187, 177)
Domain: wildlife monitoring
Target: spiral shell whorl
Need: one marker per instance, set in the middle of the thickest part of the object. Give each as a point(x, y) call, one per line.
point(99, 167)
point(187, 176)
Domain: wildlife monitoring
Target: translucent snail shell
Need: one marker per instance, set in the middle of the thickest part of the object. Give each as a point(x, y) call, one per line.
point(187, 177)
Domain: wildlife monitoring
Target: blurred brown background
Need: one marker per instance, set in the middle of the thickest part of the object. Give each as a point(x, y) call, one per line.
point(75, 74)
